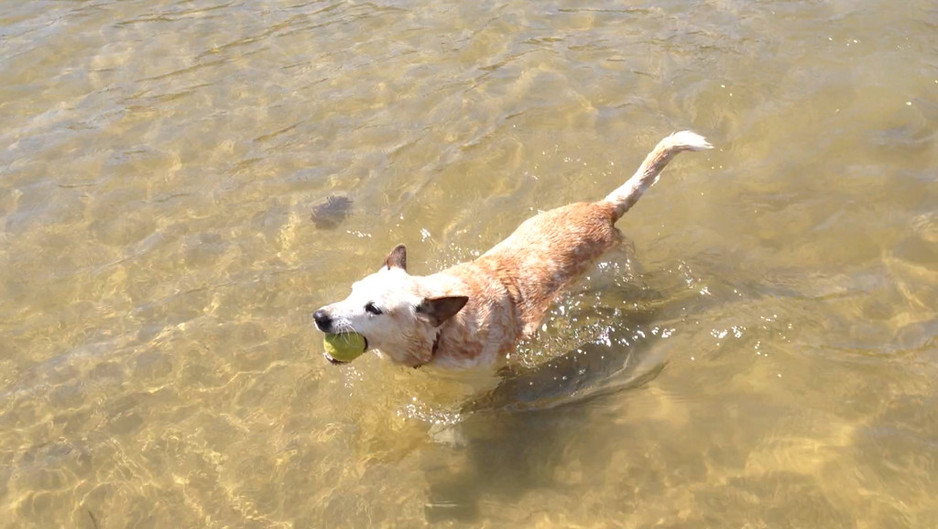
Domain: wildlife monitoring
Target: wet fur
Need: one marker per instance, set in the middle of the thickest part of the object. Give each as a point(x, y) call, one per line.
point(476, 312)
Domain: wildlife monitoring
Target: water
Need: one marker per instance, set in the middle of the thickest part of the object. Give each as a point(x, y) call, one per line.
point(763, 354)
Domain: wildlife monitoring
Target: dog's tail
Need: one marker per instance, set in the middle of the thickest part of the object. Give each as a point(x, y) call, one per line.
point(628, 194)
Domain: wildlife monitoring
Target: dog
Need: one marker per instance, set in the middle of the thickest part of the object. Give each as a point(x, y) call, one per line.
point(476, 312)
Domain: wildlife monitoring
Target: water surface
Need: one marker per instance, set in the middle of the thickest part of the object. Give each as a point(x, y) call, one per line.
point(763, 353)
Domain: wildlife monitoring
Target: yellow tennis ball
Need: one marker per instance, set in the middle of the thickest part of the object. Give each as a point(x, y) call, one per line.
point(344, 346)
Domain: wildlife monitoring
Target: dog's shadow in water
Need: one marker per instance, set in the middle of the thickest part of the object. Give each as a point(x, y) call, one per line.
point(513, 437)
point(522, 434)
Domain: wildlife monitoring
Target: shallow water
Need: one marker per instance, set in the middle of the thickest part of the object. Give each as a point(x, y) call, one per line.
point(763, 353)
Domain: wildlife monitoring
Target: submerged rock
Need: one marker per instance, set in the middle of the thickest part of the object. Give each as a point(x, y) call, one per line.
point(329, 213)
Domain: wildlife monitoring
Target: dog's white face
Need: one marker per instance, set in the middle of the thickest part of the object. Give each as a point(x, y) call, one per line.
point(393, 310)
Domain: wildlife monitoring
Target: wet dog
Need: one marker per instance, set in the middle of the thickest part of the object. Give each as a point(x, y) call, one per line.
point(476, 312)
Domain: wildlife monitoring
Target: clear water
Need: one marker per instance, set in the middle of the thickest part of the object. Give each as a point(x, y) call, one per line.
point(763, 354)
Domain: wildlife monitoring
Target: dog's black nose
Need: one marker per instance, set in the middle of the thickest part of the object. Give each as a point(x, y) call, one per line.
point(323, 320)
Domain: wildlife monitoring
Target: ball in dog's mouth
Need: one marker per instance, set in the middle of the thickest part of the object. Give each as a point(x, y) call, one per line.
point(343, 347)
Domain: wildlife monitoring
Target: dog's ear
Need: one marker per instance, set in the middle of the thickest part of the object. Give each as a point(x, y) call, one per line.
point(397, 258)
point(438, 310)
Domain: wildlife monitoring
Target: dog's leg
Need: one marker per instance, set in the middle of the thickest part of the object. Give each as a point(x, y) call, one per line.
point(628, 194)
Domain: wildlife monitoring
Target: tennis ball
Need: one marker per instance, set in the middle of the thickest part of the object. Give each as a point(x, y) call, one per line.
point(344, 346)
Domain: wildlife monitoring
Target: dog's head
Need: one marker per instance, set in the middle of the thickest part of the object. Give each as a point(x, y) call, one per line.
point(395, 312)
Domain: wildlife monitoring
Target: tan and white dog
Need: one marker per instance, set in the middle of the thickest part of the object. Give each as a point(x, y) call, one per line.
point(476, 312)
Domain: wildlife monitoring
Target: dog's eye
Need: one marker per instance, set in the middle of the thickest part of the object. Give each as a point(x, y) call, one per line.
point(371, 308)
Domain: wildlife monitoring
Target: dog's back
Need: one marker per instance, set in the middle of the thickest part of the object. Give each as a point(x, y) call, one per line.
point(549, 250)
